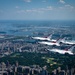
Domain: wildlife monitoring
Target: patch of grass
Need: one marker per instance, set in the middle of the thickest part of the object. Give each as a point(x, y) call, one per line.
point(15, 55)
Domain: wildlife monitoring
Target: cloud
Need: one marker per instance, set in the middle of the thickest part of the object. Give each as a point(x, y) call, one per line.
point(31, 10)
point(27, 0)
point(17, 7)
point(62, 1)
point(21, 11)
point(40, 9)
point(49, 8)
point(44, 1)
point(69, 7)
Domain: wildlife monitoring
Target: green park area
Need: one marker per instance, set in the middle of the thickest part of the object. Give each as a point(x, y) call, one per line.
point(52, 61)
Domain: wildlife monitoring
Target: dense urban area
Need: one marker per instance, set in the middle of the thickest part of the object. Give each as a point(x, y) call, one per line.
point(23, 55)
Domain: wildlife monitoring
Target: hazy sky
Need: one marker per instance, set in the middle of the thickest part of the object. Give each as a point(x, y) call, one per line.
point(37, 9)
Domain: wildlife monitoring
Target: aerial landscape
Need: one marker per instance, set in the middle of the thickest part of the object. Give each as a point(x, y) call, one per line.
point(37, 37)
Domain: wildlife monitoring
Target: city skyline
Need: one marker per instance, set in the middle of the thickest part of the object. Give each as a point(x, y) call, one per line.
point(37, 9)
